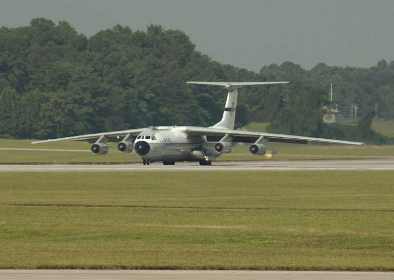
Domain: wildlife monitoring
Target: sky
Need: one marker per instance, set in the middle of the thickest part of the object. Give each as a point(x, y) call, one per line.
point(247, 33)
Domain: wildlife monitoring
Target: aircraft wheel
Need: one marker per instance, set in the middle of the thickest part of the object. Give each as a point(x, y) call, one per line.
point(205, 162)
point(168, 162)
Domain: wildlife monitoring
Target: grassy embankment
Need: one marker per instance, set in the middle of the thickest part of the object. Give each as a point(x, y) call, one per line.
point(384, 127)
point(247, 220)
point(79, 152)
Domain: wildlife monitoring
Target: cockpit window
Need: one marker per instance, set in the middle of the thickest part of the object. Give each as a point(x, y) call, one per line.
point(153, 137)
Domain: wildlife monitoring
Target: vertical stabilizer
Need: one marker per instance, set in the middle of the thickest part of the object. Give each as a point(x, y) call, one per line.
point(228, 118)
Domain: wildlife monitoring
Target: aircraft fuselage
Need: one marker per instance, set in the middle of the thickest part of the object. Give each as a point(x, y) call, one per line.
point(171, 144)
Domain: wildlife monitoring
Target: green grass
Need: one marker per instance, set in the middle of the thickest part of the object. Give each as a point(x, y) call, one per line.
point(58, 152)
point(257, 126)
point(79, 152)
point(311, 152)
point(13, 143)
point(384, 127)
point(247, 220)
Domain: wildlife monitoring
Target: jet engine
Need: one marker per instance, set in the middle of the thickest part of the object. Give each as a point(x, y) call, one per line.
point(199, 155)
point(223, 147)
point(125, 146)
point(142, 148)
point(258, 149)
point(99, 148)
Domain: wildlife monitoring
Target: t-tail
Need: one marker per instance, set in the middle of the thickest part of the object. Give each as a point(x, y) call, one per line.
point(228, 118)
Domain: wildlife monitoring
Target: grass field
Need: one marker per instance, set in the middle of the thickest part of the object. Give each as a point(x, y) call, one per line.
point(79, 152)
point(22, 151)
point(248, 220)
point(384, 127)
point(257, 126)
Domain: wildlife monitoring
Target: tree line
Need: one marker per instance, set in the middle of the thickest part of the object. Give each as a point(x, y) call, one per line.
point(57, 82)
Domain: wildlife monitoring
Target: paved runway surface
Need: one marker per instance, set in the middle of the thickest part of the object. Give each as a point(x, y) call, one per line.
point(310, 165)
point(190, 275)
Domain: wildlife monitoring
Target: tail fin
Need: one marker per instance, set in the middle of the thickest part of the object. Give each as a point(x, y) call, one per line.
point(228, 119)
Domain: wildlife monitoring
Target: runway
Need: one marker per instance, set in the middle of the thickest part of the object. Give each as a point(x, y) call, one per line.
point(190, 275)
point(309, 165)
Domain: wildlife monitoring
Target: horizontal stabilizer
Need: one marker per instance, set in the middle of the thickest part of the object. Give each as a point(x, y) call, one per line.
point(235, 84)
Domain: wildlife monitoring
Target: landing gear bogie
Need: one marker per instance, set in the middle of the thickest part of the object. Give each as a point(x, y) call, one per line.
point(205, 162)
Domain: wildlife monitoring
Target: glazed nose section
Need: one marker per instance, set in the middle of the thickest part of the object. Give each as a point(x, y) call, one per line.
point(142, 148)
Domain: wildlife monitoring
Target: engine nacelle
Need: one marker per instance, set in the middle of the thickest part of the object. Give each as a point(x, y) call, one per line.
point(199, 155)
point(99, 148)
point(257, 149)
point(125, 146)
point(223, 147)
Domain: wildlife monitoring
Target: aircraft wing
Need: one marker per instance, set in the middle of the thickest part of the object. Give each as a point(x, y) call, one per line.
point(111, 136)
point(240, 136)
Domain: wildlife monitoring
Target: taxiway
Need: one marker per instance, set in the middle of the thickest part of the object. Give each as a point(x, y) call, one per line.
point(309, 165)
point(188, 274)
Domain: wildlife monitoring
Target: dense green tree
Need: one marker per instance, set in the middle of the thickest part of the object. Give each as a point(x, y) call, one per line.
point(56, 82)
point(9, 112)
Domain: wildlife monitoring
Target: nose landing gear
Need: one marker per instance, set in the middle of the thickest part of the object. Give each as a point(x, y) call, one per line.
point(145, 162)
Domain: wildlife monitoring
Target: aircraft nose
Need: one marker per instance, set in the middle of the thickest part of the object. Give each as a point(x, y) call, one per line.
point(142, 148)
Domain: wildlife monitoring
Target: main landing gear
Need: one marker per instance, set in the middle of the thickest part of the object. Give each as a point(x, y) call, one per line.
point(202, 162)
point(205, 162)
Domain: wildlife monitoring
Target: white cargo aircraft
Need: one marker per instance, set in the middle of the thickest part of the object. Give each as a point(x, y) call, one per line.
point(169, 144)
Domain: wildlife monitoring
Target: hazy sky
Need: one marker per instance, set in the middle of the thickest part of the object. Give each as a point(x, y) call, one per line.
point(247, 33)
